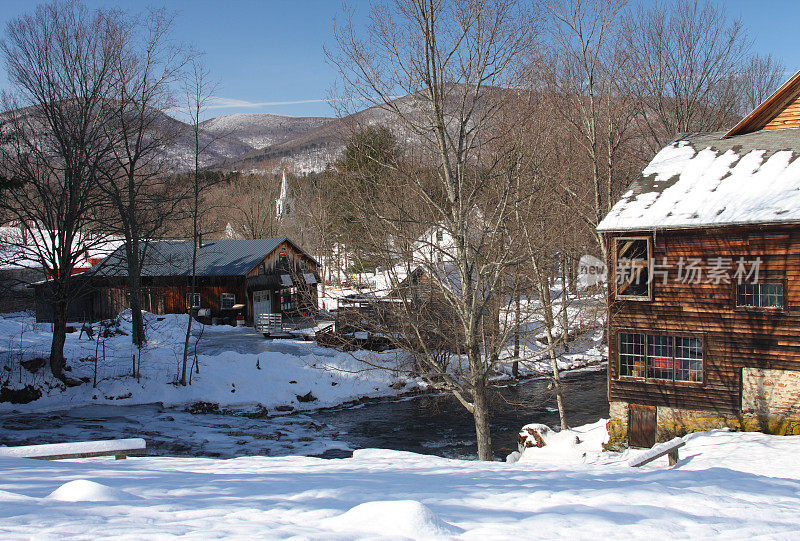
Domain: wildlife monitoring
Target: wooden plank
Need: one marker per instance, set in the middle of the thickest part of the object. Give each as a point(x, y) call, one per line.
point(669, 448)
point(641, 425)
point(85, 449)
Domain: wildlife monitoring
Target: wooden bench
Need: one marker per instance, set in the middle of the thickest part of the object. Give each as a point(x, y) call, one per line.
point(669, 448)
point(119, 449)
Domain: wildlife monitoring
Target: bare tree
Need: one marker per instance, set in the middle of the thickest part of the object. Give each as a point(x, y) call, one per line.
point(199, 91)
point(447, 57)
point(60, 62)
point(137, 185)
point(251, 204)
point(586, 73)
point(684, 54)
point(756, 80)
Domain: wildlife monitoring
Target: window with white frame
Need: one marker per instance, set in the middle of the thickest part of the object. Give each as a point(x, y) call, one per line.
point(226, 301)
point(193, 300)
point(661, 357)
point(632, 354)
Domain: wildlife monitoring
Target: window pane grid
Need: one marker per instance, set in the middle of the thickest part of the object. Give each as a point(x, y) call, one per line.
point(661, 357)
point(689, 359)
point(631, 354)
point(760, 295)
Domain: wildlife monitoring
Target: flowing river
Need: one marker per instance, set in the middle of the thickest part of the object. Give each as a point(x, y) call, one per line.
point(430, 424)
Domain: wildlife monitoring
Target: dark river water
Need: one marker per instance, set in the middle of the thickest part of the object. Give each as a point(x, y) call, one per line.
point(429, 424)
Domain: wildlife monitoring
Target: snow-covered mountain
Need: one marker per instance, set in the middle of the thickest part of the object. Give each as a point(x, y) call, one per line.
point(251, 142)
point(259, 130)
point(316, 147)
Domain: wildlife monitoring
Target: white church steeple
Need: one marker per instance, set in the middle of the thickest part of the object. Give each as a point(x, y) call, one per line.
point(284, 203)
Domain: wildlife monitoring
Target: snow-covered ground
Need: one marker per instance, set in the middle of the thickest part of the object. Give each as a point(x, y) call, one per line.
point(726, 485)
point(237, 366)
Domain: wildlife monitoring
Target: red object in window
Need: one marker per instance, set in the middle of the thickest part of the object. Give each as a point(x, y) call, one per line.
point(662, 363)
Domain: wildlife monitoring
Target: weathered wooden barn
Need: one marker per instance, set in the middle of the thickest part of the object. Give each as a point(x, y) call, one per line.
point(244, 277)
point(704, 295)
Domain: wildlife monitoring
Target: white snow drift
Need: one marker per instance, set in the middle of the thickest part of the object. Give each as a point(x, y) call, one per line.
point(727, 485)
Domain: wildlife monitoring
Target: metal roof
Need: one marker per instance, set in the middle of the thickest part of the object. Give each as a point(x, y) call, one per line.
point(233, 257)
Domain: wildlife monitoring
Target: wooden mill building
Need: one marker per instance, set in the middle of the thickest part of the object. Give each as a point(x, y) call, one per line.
point(234, 277)
point(704, 294)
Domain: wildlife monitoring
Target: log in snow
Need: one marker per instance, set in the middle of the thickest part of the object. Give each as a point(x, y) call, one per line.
point(78, 449)
point(657, 451)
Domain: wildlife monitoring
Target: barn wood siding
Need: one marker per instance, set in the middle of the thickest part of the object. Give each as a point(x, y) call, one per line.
point(297, 260)
point(788, 117)
point(168, 296)
point(733, 338)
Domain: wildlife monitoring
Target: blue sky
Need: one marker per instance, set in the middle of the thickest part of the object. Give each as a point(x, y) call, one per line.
point(267, 55)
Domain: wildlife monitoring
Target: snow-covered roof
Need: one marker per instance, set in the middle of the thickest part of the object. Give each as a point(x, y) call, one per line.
point(707, 180)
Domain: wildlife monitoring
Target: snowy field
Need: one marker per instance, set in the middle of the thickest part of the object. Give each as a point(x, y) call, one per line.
point(237, 367)
point(727, 485)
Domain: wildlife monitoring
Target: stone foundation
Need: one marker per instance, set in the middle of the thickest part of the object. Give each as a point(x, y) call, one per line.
point(770, 404)
point(617, 426)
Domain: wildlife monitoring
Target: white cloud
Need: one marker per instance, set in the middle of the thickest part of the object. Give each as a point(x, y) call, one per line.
point(218, 102)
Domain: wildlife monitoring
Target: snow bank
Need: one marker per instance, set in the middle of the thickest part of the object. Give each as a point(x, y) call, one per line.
point(729, 485)
point(237, 367)
point(408, 518)
point(82, 490)
point(574, 446)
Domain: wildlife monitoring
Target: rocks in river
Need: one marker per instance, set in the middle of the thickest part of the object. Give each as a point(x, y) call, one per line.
point(259, 412)
point(284, 408)
point(203, 407)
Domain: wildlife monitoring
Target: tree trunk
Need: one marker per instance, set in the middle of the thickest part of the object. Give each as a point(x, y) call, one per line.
point(57, 361)
point(480, 413)
point(137, 321)
point(562, 414)
point(59, 338)
point(517, 315)
point(186, 348)
point(549, 323)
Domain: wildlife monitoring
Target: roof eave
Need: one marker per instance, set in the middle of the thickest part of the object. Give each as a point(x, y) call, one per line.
point(779, 98)
point(707, 225)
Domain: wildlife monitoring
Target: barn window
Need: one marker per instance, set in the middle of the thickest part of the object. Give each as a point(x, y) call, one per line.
point(226, 301)
point(688, 359)
point(660, 361)
point(661, 357)
point(288, 299)
point(633, 268)
point(631, 354)
point(193, 300)
point(761, 295)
